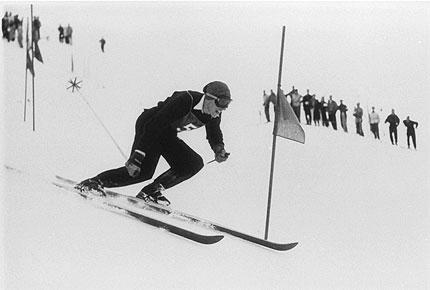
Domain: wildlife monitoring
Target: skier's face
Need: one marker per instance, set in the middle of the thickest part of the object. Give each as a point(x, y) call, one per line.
point(210, 108)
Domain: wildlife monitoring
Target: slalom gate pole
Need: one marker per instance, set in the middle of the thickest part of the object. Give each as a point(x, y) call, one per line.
point(32, 61)
point(26, 72)
point(277, 113)
point(103, 125)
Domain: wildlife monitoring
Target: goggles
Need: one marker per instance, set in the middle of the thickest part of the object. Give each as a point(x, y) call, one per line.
point(221, 103)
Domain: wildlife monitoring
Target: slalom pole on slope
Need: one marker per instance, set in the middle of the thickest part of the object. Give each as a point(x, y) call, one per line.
point(26, 72)
point(277, 112)
point(32, 61)
point(103, 125)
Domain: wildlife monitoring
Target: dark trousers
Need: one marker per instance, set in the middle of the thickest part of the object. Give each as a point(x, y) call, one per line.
point(359, 127)
point(308, 116)
point(393, 135)
point(414, 141)
point(332, 118)
point(184, 162)
point(375, 130)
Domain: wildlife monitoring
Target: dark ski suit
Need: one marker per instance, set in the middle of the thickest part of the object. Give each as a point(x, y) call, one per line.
point(394, 122)
point(156, 135)
point(410, 132)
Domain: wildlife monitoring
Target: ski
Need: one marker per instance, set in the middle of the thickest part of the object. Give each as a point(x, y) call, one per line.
point(199, 238)
point(195, 220)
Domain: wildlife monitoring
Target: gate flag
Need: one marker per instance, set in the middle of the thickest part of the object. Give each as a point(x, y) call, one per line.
point(287, 124)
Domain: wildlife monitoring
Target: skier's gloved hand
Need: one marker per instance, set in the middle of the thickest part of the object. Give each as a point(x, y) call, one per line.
point(220, 154)
point(134, 162)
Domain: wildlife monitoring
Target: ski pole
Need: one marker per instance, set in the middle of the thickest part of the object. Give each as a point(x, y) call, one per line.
point(226, 155)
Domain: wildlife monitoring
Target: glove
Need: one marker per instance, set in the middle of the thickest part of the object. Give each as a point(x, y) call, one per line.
point(134, 162)
point(220, 154)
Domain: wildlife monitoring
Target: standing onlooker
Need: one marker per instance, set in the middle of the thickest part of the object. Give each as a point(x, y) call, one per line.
point(374, 123)
point(4, 25)
point(394, 121)
point(296, 99)
point(102, 44)
point(68, 34)
point(411, 125)
point(36, 29)
point(19, 28)
point(324, 108)
point(332, 109)
point(60, 33)
point(267, 99)
point(317, 111)
point(307, 106)
point(342, 109)
point(358, 114)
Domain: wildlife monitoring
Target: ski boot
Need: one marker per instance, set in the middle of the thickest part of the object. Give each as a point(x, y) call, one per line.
point(152, 193)
point(91, 185)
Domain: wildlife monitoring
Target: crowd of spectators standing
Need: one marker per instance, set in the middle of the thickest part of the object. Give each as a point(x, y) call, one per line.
point(65, 34)
point(11, 27)
point(326, 112)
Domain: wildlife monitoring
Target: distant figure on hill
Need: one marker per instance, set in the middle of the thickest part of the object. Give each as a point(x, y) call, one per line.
point(332, 109)
point(324, 108)
point(342, 109)
point(267, 99)
point(68, 34)
point(157, 135)
point(394, 121)
point(317, 111)
point(358, 114)
point(307, 106)
point(5, 25)
point(36, 29)
point(61, 34)
point(374, 123)
point(102, 44)
point(410, 132)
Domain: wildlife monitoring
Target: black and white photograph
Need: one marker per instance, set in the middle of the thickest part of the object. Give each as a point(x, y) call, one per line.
point(215, 145)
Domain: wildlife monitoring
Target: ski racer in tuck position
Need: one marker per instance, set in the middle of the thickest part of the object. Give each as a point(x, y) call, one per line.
point(156, 135)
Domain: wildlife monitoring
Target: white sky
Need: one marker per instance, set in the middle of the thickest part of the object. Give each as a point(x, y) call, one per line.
point(375, 53)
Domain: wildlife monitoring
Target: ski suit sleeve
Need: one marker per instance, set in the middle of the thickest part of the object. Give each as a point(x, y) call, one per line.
point(174, 107)
point(214, 134)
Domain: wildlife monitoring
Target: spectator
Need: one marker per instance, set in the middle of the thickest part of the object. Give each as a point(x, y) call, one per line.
point(394, 121)
point(332, 109)
point(267, 99)
point(410, 132)
point(374, 123)
point(324, 108)
point(358, 114)
point(307, 106)
point(68, 34)
point(317, 111)
point(61, 33)
point(296, 99)
point(102, 43)
point(343, 108)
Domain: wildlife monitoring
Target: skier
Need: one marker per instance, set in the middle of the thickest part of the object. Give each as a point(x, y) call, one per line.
point(411, 125)
point(394, 122)
point(156, 135)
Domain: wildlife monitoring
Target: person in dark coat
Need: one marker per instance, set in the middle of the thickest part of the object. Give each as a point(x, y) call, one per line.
point(410, 132)
point(102, 44)
point(156, 135)
point(343, 109)
point(61, 33)
point(307, 106)
point(394, 121)
point(331, 110)
point(317, 111)
point(324, 107)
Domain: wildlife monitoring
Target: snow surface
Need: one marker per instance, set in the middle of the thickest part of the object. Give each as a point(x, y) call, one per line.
point(358, 207)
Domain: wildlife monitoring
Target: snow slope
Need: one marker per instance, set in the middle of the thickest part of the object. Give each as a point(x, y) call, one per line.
point(359, 208)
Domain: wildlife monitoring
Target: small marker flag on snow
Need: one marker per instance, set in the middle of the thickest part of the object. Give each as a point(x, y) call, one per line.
point(287, 125)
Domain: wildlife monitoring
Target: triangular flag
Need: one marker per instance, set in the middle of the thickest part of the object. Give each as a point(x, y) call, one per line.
point(288, 126)
point(37, 53)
